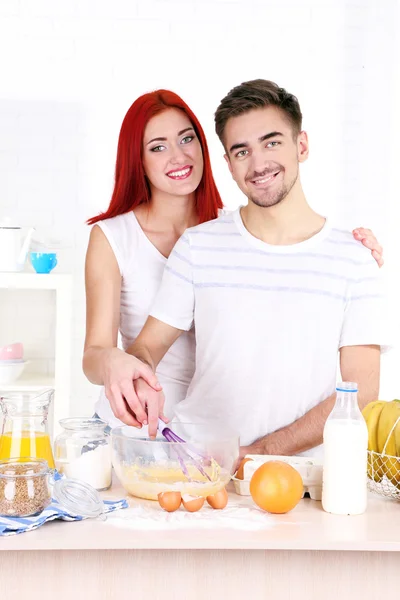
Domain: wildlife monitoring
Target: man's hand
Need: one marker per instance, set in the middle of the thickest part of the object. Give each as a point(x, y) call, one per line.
point(119, 372)
point(259, 447)
point(152, 404)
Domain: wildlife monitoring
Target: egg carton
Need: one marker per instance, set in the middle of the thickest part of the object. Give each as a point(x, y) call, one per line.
point(309, 468)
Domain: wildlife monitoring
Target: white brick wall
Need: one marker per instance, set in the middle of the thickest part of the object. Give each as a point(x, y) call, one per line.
point(70, 70)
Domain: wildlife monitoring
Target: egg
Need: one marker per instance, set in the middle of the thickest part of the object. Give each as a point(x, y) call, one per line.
point(192, 503)
point(169, 501)
point(218, 500)
point(240, 471)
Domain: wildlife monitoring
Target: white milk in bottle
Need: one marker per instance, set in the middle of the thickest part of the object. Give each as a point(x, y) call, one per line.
point(344, 489)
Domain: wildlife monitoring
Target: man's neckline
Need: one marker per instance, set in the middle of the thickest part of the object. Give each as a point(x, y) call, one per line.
point(281, 249)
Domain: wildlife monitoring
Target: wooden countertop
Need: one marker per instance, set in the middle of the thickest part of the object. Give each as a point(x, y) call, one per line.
point(307, 527)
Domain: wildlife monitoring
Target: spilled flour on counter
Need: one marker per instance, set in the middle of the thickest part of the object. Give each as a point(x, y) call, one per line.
point(148, 517)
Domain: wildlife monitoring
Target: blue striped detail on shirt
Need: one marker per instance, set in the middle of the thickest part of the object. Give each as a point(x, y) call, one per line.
point(367, 297)
point(181, 257)
point(280, 271)
point(294, 290)
point(179, 275)
point(343, 242)
point(226, 249)
point(307, 272)
point(352, 242)
point(267, 288)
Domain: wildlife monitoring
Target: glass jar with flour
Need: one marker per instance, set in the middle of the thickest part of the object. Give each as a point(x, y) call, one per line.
point(83, 451)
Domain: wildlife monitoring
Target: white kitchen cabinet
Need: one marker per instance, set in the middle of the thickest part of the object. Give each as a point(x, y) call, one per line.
point(61, 284)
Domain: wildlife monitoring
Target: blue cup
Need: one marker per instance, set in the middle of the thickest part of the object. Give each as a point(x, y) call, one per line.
point(43, 262)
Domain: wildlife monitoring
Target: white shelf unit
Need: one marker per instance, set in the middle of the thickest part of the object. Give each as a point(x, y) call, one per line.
point(60, 381)
point(32, 381)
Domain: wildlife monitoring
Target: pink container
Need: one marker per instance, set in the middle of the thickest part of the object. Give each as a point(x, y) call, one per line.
point(12, 352)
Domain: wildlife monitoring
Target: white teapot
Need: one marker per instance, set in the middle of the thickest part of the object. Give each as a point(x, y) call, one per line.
point(14, 246)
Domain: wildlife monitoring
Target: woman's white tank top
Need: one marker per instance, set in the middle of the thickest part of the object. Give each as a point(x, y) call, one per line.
point(141, 266)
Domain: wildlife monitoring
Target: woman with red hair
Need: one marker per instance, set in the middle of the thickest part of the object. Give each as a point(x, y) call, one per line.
point(163, 185)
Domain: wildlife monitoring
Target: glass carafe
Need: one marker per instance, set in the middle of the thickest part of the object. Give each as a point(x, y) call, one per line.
point(25, 432)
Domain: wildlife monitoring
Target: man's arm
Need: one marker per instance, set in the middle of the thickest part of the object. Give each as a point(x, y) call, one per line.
point(153, 342)
point(171, 314)
point(360, 364)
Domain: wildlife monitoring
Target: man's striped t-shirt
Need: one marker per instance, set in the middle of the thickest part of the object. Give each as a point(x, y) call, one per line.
point(269, 320)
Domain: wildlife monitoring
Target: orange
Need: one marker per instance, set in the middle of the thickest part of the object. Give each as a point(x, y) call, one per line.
point(240, 471)
point(276, 487)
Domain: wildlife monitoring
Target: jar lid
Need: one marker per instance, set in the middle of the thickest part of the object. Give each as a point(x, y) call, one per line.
point(83, 423)
point(78, 497)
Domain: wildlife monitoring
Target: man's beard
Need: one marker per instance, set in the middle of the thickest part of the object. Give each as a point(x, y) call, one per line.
point(268, 199)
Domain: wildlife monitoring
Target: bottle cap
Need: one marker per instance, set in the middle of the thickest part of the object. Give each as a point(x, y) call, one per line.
point(347, 386)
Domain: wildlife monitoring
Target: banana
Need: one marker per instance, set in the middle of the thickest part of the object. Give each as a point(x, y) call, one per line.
point(397, 438)
point(387, 440)
point(389, 415)
point(367, 409)
point(371, 414)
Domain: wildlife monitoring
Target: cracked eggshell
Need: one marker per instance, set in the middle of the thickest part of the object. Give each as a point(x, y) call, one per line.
point(192, 503)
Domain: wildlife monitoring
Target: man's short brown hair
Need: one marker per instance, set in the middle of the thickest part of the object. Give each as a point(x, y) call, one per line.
point(258, 93)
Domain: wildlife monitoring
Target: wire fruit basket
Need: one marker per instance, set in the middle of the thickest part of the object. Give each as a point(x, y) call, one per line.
point(384, 474)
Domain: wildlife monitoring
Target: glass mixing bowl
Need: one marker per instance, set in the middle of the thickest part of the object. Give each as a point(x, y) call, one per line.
point(201, 466)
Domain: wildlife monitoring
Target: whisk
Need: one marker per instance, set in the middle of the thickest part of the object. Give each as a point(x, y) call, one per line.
point(188, 452)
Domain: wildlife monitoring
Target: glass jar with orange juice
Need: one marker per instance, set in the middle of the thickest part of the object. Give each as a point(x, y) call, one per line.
point(25, 430)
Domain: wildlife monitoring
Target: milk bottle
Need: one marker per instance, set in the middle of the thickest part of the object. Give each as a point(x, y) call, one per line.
point(344, 490)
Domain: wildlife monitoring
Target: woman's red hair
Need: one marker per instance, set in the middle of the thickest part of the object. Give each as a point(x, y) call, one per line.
point(131, 186)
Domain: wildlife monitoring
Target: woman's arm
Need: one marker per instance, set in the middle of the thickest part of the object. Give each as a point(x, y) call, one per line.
point(103, 363)
point(103, 291)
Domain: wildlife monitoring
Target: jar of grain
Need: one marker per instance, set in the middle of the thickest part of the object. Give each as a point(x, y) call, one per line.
point(24, 487)
point(28, 485)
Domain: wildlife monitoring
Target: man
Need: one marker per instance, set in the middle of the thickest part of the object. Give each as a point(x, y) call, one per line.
point(273, 290)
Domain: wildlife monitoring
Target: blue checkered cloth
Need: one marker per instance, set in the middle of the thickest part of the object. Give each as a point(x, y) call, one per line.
point(14, 525)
